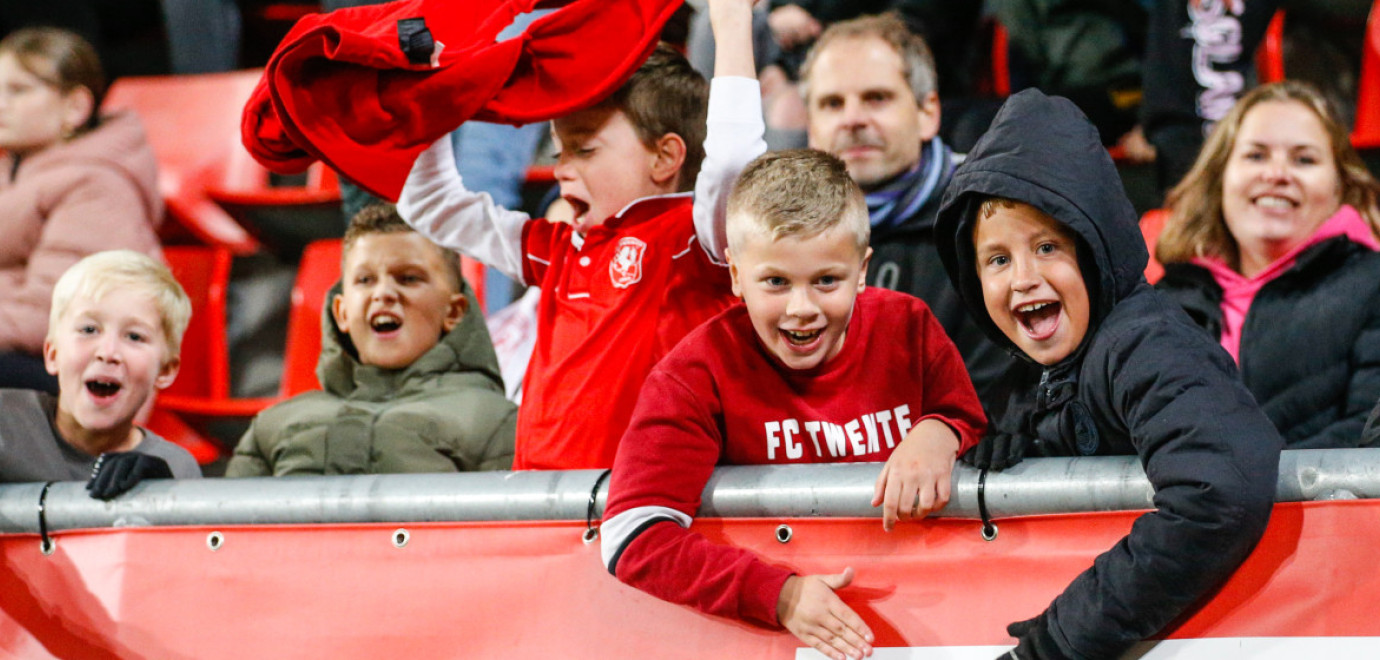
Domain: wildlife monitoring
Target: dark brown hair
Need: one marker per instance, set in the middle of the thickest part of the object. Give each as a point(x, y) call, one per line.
point(666, 95)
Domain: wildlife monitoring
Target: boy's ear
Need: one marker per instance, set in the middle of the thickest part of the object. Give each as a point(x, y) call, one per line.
point(458, 305)
point(50, 357)
point(862, 272)
point(929, 117)
point(733, 273)
point(167, 373)
point(338, 313)
point(667, 158)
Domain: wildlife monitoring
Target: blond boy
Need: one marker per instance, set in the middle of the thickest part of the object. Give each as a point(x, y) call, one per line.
point(813, 367)
point(114, 337)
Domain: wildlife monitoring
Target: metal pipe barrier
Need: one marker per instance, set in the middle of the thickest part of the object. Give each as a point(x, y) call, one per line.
point(1034, 487)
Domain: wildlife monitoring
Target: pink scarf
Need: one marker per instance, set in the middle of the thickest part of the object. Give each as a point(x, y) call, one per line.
point(1238, 291)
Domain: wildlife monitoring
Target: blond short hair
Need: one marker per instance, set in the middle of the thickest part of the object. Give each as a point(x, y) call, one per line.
point(99, 274)
point(799, 193)
point(1196, 227)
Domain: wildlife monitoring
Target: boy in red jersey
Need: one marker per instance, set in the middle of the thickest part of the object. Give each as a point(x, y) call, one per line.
point(812, 368)
point(639, 266)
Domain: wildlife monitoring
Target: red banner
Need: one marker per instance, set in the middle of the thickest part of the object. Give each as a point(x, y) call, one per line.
point(534, 590)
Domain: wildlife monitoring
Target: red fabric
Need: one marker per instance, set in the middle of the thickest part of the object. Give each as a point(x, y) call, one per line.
point(722, 399)
point(597, 340)
point(142, 592)
point(340, 89)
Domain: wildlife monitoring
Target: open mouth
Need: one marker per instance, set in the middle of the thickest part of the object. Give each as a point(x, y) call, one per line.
point(801, 338)
point(384, 323)
point(1039, 320)
point(102, 388)
point(578, 207)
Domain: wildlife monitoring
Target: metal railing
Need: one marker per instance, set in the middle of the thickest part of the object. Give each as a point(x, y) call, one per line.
point(1036, 486)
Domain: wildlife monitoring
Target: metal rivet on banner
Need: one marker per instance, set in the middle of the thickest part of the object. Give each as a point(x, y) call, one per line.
point(590, 535)
point(989, 531)
point(783, 533)
point(214, 540)
point(400, 537)
point(47, 546)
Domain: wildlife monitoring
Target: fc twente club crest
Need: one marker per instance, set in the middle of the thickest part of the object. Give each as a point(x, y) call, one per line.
point(626, 267)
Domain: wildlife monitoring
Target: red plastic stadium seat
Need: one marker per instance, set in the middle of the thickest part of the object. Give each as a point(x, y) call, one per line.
point(202, 387)
point(1269, 55)
point(193, 124)
point(1151, 224)
point(316, 274)
point(206, 176)
point(244, 182)
point(175, 430)
point(1001, 63)
point(1366, 134)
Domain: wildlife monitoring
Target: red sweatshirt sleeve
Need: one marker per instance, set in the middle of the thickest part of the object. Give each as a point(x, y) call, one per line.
point(949, 395)
point(663, 463)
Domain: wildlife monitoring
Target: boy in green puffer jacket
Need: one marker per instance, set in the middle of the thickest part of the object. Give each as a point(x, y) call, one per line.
point(409, 376)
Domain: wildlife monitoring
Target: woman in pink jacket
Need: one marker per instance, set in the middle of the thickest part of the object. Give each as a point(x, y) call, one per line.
point(72, 182)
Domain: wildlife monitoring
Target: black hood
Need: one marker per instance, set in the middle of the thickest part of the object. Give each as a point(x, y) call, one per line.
point(1043, 151)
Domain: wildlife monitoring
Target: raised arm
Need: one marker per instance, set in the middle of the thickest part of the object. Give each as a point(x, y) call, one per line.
point(1212, 457)
point(436, 203)
point(735, 127)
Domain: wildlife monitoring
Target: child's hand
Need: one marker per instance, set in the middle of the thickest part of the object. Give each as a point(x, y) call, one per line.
point(915, 480)
point(809, 608)
point(731, 22)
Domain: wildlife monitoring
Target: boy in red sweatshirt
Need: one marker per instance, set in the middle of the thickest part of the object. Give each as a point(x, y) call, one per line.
point(813, 367)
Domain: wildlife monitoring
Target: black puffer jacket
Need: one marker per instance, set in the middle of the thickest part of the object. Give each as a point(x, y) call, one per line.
point(904, 258)
point(1310, 346)
point(1143, 381)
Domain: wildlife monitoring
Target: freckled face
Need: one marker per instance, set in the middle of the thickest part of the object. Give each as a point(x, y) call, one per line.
point(799, 292)
point(1032, 286)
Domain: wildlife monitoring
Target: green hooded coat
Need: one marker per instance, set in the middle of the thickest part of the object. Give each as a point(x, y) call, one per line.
point(443, 413)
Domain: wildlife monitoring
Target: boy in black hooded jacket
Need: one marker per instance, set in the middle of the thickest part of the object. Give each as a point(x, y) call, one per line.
point(1037, 234)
